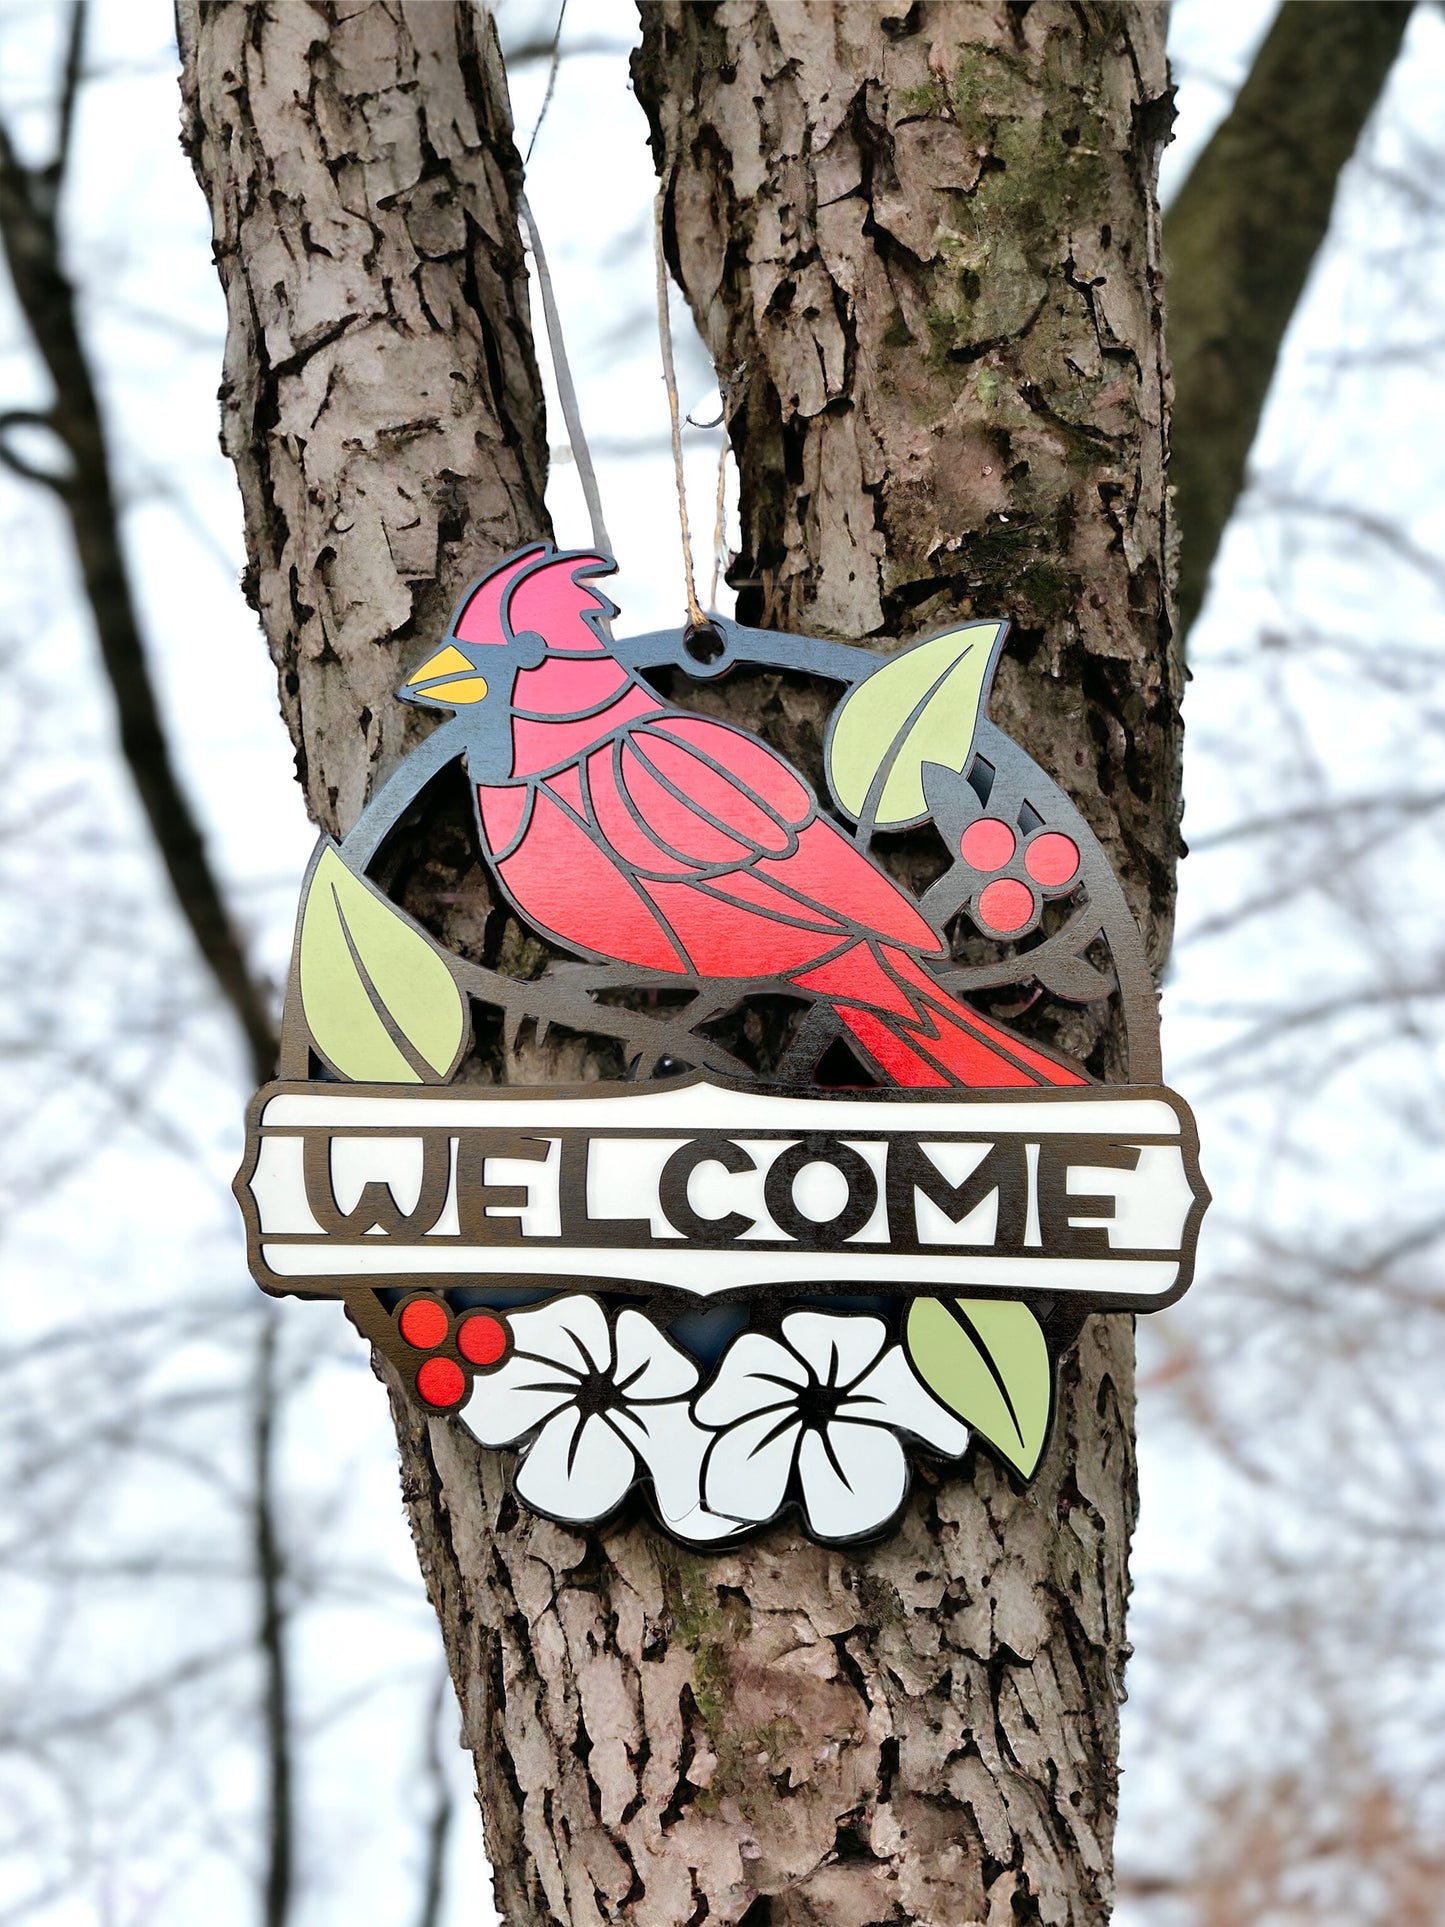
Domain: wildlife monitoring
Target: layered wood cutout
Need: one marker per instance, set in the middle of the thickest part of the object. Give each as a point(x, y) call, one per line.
point(729, 1285)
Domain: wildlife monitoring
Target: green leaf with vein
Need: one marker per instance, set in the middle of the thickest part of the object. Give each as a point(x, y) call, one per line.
point(987, 1360)
point(920, 707)
point(380, 1002)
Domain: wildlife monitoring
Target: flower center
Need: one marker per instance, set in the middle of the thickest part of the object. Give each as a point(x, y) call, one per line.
point(818, 1404)
point(596, 1392)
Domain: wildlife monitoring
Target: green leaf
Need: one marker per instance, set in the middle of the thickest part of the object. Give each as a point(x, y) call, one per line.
point(987, 1360)
point(379, 999)
point(919, 707)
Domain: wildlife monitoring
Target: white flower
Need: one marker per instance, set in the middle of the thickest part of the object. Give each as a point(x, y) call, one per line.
point(825, 1400)
point(602, 1399)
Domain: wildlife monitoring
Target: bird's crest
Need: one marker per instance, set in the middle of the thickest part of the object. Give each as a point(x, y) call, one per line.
point(544, 592)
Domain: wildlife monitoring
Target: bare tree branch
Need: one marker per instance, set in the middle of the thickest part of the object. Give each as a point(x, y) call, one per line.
point(69, 90)
point(31, 239)
point(1363, 522)
point(439, 1821)
point(1405, 804)
point(552, 68)
point(528, 52)
point(270, 1573)
point(1241, 238)
point(19, 464)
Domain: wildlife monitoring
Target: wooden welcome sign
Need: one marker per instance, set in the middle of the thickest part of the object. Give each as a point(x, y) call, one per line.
point(830, 1205)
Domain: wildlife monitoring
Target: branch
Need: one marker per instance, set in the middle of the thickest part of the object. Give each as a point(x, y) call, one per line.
point(30, 238)
point(552, 67)
point(271, 1632)
point(1406, 804)
point(529, 52)
point(69, 89)
point(1059, 956)
point(439, 1821)
point(15, 462)
point(565, 995)
point(1359, 521)
point(1241, 238)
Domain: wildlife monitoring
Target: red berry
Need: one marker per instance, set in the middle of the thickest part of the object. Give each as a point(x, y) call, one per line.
point(1052, 859)
point(441, 1381)
point(1005, 905)
point(987, 844)
point(424, 1324)
point(481, 1339)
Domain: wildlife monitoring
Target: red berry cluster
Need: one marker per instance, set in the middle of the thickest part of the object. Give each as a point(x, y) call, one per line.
point(477, 1338)
point(1021, 873)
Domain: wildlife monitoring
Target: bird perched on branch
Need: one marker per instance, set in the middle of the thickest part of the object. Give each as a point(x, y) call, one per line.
point(632, 832)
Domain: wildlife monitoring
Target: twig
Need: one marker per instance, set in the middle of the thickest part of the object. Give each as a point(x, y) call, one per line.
point(69, 90)
point(554, 63)
point(272, 1632)
point(569, 1003)
point(439, 1824)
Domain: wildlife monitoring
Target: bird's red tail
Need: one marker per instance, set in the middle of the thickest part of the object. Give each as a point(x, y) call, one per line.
point(919, 1036)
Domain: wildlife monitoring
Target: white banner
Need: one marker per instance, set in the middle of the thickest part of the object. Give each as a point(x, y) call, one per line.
point(701, 1188)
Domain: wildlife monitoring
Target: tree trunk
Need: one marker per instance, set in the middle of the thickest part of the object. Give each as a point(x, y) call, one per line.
point(381, 400)
point(923, 246)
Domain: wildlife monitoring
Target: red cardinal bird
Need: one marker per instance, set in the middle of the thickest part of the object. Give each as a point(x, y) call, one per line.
point(635, 833)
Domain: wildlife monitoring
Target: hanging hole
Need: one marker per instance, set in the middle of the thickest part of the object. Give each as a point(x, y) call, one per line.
point(702, 642)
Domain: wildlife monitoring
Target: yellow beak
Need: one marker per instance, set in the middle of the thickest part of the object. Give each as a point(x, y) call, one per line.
point(447, 677)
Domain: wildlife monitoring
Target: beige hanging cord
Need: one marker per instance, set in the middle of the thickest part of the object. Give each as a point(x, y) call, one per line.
point(567, 393)
point(719, 525)
point(695, 613)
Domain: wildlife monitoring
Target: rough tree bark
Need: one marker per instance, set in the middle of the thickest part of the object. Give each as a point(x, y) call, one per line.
point(380, 400)
point(923, 245)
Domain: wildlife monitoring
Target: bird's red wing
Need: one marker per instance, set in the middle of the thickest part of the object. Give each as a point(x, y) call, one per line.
point(753, 766)
point(829, 871)
point(690, 780)
point(717, 834)
point(725, 938)
point(580, 894)
point(723, 802)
